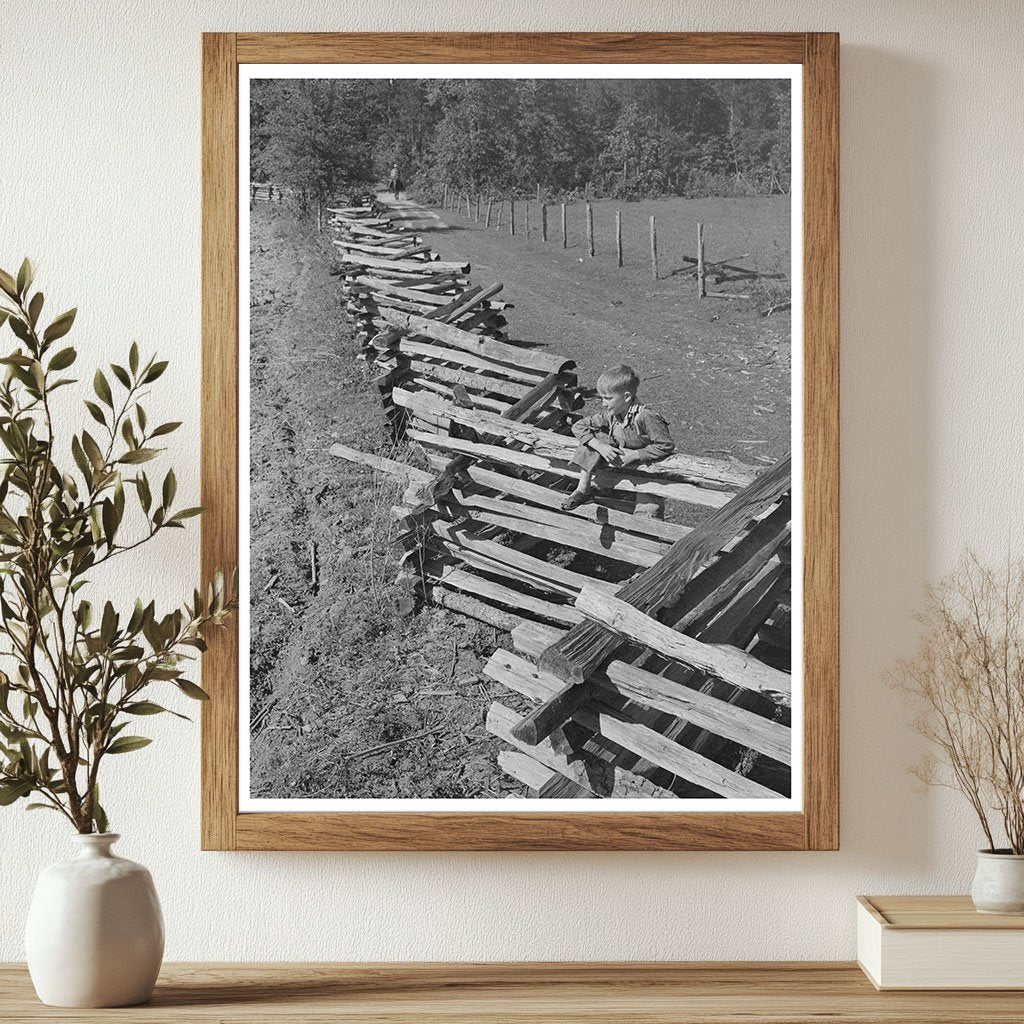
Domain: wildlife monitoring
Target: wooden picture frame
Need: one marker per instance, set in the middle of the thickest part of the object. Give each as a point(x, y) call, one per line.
point(816, 827)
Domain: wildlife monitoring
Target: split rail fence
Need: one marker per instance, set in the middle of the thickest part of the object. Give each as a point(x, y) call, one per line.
point(649, 658)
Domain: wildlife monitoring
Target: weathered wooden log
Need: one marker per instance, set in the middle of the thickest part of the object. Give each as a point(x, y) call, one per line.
point(498, 593)
point(389, 466)
point(729, 664)
point(627, 483)
point(409, 266)
point(597, 778)
point(639, 738)
point(577, 655)
point(472, 343)
point(562, 529)
point(466, 605)
point(599, 514)
point(583, 649)
point(463, 359)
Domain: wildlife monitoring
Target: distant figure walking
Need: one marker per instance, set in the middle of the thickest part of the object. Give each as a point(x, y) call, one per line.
point(395, 184)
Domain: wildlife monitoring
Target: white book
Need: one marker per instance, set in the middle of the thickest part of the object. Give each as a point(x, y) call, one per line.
point(938, 942)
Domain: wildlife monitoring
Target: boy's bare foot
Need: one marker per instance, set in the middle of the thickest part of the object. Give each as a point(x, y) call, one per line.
point(576, 499)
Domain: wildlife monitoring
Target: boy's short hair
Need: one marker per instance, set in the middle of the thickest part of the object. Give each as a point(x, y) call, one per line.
point(619, 378)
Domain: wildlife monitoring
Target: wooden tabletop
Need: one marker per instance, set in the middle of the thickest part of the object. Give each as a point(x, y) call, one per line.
point(641, 993)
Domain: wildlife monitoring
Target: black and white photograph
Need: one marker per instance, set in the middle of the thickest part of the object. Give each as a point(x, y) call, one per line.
point(520, 440)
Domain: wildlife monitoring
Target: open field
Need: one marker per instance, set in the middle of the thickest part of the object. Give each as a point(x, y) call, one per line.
point(717, 369)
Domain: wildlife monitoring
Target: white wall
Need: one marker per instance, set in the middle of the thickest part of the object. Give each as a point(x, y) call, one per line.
point(99, 181)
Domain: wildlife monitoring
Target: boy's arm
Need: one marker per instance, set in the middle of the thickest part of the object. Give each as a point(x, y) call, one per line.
point(659, 440)
point(589, 427)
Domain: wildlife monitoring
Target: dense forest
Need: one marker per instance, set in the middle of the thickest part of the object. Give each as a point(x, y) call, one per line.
point(624, 139)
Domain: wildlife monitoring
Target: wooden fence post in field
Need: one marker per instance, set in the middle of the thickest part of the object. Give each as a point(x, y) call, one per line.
point(319, 217)
point(270, 193)
point(563, 226)
point(702, 288)
point(618, 236)
point(511, 216)
point(527, 218)
point(538, 191)
point(543, 222)
point(654, 249)
point(590, 230)
point(490, 203)
point(444, 200)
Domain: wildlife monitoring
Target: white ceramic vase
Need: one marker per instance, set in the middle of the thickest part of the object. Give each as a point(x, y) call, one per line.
point(999, 883)
point(95, 933)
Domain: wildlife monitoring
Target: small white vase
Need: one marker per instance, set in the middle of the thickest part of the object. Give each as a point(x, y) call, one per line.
point(999, 883)
point(95, 933)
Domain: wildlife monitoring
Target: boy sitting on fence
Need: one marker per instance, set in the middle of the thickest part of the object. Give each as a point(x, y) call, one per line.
point(625, 433)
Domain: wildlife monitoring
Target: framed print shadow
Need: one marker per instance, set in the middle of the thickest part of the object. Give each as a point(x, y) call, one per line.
point(520, 420)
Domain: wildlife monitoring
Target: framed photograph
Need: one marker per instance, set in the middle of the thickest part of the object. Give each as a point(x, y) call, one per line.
point(520, 420)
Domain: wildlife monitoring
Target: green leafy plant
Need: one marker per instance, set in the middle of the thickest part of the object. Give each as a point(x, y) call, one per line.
point(80, 673)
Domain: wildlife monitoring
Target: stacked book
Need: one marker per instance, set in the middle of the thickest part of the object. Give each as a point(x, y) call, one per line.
point(938, 942)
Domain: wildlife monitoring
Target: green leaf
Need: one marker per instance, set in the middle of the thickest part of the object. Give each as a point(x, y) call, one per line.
point(191, 690)
point(145, 497)
point(170, 488)
point(154, 372)
point(185, 513)
point(126, 744)
point(139, 455)
point(109, 521)
point(96, 412)
point(14, 790)
point(165, 428)
point(140, 415)
point(92, 449)
point(63, 359)
point(133, 357)
point(20, 329)
point(26, 274)
point(102, 388)
point(60, 326)
point(35, 307)
point(7, 283)
point(121, 374)
point(99, 816)
point(108, 626)
point(147, 707)
point(128, 433)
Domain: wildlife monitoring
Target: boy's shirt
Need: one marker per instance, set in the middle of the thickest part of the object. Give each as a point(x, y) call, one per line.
point(638, 429)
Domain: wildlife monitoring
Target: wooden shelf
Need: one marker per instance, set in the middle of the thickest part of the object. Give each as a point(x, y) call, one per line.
point(640, 993)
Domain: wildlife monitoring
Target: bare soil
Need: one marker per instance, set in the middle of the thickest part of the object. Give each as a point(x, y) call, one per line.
point(336, 672)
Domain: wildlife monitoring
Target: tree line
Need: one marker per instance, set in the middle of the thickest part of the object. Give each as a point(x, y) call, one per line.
point(602, 137)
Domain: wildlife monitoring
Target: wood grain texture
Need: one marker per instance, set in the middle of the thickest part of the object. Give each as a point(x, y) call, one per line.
point(219, 441)
point(521, 48)
point(942, 912)
point(523, 993)
point(821, 441)
point(817, 828)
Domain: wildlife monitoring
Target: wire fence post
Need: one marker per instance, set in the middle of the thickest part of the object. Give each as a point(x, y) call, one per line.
point(564, 243)
point(590, 230)
point(511, 217)
point(702, 288)
point(526, 218)
point(618, 236)
point(654, 249)
point(444, 198)
point(543, 222)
